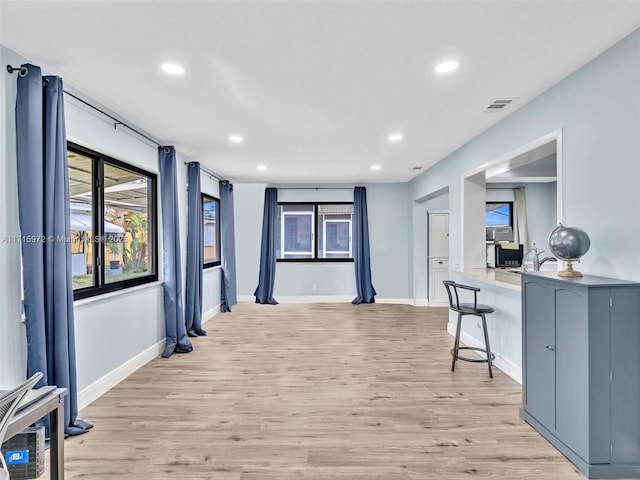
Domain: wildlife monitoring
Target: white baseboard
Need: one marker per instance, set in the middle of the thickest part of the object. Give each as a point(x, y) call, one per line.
point(439, 304)
point(101, 386)
point(424, 302)
point(110, 380)
point(396, 301)
point(504, 364)
point(293, 299)
point(209, 314)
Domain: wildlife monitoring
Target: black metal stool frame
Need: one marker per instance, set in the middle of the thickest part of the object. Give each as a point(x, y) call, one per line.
point(475, 309)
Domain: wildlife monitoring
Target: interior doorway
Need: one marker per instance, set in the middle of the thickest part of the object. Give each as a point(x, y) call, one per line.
point(534, 164)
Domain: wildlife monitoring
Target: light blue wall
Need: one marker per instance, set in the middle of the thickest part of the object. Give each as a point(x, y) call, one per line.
point(211, 277)
point(12, 334)
point(502, 194)
point(389, 230)
point(419, 264)
point(248, 202)
point(112, 330)
point(541, 212)
point(597, 110)
point(315, 279)
point(541, 208)
point(390, 226)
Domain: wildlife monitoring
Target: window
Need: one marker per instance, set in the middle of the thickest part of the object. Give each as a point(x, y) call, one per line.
point(499, 214)
point(315, 232)
point(112, 209)
point(210, 231)
point(297, 231)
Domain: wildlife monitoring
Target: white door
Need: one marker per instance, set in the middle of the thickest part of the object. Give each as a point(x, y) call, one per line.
point(438, 251)
point(438, 235)
point(438, 294)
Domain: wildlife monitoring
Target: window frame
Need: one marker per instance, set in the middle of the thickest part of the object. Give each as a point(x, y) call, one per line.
point(315, 245)
point(99, 286)
point(324, 236)
point(215, 263)
point(511, 211)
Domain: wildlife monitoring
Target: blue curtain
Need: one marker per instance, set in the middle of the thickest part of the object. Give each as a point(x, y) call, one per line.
point(361, 253)
point(267, 277)
point(227, 235)
point(43, 195)
point(195, 256)
point(175, 331)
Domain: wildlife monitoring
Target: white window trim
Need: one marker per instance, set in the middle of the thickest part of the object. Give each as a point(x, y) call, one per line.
point(324, 236)
point(282, 236)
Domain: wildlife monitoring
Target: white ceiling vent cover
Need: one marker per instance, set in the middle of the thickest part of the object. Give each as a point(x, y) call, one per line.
point(499, 105)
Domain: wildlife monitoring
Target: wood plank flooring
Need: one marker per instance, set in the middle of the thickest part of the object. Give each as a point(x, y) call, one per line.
point(324, 392)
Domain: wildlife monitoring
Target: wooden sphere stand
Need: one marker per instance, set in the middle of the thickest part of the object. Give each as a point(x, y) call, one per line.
point(569, 272)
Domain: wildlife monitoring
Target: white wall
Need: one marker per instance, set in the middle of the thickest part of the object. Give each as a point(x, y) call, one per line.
point(116, 332)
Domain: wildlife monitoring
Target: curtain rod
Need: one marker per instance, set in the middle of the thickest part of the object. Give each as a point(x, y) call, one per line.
point(117, 122)
point(210, 173)
point(23, 71)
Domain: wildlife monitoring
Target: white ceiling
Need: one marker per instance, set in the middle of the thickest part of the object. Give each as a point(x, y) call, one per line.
point(315, 87)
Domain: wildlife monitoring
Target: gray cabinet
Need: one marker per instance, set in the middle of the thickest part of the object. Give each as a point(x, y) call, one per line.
point(581, 369)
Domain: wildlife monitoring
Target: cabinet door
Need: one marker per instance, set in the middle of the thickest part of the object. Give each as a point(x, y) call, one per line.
point(625, 383)
point(539, 358)
point(438, 235)
point(572, 368)
point(437, 293)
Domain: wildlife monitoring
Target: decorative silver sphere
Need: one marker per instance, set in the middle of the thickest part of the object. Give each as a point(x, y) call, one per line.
point(569, 244)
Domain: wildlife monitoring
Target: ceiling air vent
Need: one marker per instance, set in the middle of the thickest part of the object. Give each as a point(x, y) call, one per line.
point(499, 104)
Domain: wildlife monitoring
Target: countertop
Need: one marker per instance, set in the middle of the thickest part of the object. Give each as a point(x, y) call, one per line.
point(494, 276)
point(586, 280)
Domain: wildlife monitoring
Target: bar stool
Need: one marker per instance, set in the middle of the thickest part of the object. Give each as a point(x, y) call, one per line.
point(463, 309)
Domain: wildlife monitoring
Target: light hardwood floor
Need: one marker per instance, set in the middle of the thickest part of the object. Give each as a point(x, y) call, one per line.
point(326, 391)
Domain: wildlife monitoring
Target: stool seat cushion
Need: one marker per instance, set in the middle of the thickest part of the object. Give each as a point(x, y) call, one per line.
point(468, 308)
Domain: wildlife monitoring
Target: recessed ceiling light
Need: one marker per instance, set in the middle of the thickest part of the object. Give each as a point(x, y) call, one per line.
point(395, 137)
point(261, 167)
point(173, 69)
point(448, 66)
point(236, 138)
point(376, 167)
